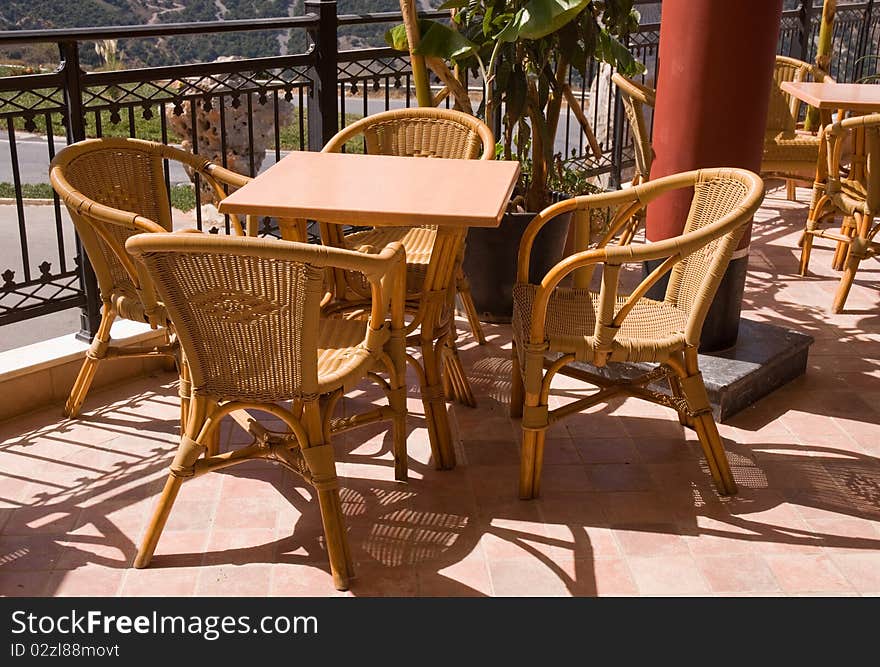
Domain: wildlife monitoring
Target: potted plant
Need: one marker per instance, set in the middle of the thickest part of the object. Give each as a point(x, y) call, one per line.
point(523, 52)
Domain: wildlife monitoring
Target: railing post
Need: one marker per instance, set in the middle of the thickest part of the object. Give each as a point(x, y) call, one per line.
point(806, 17)
point(90, 316)
point(863, 41)
point(617, 148)
point(323, 98)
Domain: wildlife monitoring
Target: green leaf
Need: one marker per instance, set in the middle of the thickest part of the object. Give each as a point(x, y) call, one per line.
point(396, 38)
point(454, 4)
point(543, 17)
point(616, 54)
point(437, 40)
point(511, 31)
point(441, 41)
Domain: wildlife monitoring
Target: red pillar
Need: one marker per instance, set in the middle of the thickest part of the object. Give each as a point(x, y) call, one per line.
point(713, 88)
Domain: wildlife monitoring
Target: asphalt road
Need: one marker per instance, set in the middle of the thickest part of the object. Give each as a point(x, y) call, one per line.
point(33, 150)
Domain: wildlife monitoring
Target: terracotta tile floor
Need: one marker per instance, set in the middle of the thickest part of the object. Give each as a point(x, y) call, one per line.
point(627, 505)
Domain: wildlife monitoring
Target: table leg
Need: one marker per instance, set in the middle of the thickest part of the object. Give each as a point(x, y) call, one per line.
point(293, 229)
point(818, 197)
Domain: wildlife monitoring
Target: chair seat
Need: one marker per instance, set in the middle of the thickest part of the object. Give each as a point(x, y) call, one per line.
point(791, 147)
point(651, 332)
point(851, 196)
point(418, 242)
point(342, 359)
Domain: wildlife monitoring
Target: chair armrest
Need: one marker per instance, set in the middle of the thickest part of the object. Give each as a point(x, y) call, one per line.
point(671, 250)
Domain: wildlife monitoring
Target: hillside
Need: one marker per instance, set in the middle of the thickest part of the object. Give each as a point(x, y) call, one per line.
point(36, 14)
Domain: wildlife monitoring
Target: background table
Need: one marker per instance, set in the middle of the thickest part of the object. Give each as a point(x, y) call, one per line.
point(856, 98)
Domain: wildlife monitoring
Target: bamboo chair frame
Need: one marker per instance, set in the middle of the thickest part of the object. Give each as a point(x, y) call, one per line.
point(854, 192)
point(115, 188)
point(575, 324)
point(635, 97)
point(790, 153)
point(246, 312)
point(434, 256)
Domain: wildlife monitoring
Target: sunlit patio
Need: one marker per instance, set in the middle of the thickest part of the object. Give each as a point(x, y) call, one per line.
point(627, 506)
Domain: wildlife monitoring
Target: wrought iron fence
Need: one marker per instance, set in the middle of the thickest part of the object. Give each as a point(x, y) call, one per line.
point(303, 98)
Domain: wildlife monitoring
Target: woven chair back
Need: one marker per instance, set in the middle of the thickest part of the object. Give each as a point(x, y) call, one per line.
point(784, 109)
point(864, 194)
point(113, 189)
point(695, 279)
point(248, 321)
point(635, 98)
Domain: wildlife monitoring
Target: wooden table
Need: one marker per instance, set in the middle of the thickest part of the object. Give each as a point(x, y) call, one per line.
point(386, 191)
point(827, 96)
point(852, 98)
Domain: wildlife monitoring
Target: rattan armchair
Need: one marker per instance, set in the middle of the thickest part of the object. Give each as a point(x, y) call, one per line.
point(558, 325)
point(789, 152)
point(635, 97)
point(852, 190)
point(246, 312)
point(433, 254)
point(115, 188)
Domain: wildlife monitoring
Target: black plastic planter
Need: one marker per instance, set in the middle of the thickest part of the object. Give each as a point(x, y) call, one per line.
point(490, 261)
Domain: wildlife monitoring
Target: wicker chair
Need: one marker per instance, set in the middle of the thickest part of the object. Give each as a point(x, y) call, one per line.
point(246, 312)
point(852, 190)
point(575, 324)
point(789, 152)
point(432, 279)
point(115, 188)
point(635, 96)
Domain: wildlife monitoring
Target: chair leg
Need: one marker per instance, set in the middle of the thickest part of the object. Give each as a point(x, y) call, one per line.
point(96, 352)
point(531, 463)
point(675, 387)
point(846, 282)
point(188, 453)
point(185, 393)
point(806, 249)
point(841, 251)
point(434, 401)
point(455, 381)
point(157, 523)
point(790, 190)
point(463, 287)
point(694, 392)
point(860, 232)
point(517, 389)
point(322, 466)
point(397, 401)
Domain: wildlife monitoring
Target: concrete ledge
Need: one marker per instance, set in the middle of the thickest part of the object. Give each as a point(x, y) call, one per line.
point(41, 374)
point(764, 358)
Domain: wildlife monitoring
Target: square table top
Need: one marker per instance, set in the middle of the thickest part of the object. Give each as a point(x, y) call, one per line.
point(379, 190)
point(863, 97)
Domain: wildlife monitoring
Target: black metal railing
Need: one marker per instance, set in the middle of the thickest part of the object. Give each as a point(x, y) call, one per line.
point(259, 107)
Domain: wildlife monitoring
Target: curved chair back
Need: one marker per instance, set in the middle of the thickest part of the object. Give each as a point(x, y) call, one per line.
point(246, 310)
point(862, 194)
point(115, 188)
point(784, 109)
point(724, 201)
point(635, 97)
point(420, 132)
